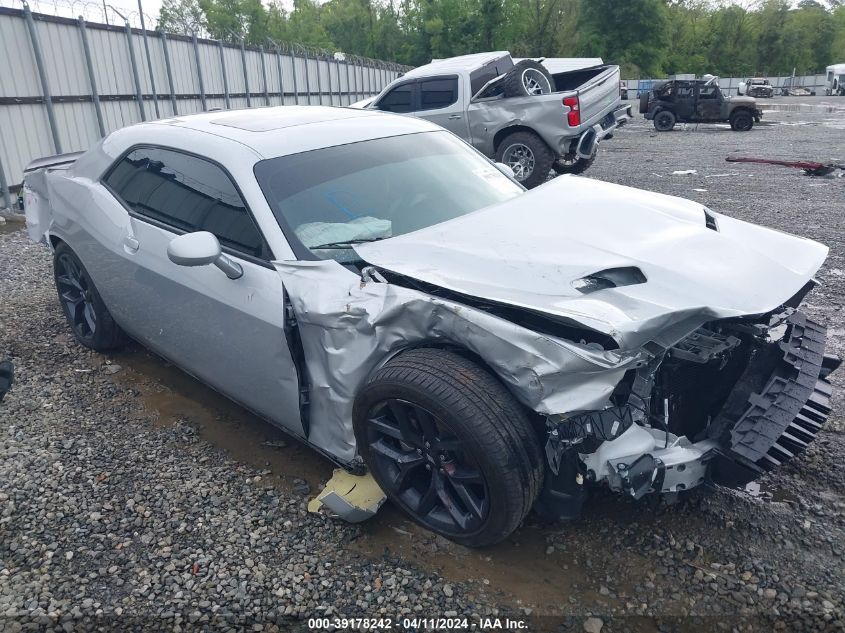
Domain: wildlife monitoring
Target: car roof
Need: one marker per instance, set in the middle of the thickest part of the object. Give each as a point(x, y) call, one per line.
point(462, 63)
point(283, 130)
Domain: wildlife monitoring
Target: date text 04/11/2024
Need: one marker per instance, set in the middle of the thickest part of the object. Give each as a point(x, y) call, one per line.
point(416, 624)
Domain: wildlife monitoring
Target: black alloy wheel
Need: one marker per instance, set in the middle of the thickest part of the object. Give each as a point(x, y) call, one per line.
point(426, 467)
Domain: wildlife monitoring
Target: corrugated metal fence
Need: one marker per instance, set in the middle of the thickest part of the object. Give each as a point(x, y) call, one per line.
point(729, 85)
point(66, 83)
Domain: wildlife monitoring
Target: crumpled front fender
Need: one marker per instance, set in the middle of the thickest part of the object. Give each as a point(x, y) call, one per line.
point(349, 327)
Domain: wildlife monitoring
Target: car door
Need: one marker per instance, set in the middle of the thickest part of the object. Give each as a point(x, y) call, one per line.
point(229, 333)
point(684, 101)
point(708, 104)
point(440, 102)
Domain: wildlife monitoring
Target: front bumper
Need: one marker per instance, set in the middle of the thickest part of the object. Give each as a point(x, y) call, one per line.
point(590, 138)
point(772, 411)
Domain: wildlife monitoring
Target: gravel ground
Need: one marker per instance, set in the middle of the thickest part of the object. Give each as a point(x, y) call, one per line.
point(128, 502)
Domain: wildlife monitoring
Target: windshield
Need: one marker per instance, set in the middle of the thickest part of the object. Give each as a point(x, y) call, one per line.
point(330, 199)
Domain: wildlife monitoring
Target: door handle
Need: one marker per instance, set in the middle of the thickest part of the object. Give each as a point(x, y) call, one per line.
point(131, 244)
point(454, 116)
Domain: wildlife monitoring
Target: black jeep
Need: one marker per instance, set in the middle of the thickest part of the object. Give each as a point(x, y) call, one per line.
point(696, 101)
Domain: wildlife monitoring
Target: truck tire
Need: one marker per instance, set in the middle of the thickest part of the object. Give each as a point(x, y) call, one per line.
point(90, 321)
point(449, 445)
point(741, 120)
point(644, 102)
point(664, 121)
point(528, 156)
point(573, 164)
point(528, 78)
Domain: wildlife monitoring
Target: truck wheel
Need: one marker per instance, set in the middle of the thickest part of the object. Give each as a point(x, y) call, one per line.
point(573, 164)
point(449, 445)
point(528, 156)
point(528, 78)
point(664, 121)
point(644, 97)
point(90, 321)
point(741, 121)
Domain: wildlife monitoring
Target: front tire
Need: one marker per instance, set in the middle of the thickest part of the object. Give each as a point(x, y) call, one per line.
point(90, 321)
point(449, 445)
point(741, 121)
point(528, 156)
point(664, 121)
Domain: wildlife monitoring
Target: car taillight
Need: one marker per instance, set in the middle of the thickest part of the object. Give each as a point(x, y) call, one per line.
point(573, 116)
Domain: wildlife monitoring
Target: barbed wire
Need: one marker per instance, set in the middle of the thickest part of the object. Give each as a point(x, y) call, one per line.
point(105, 13)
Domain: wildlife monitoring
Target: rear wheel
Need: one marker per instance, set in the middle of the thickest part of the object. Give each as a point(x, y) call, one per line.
point(449, 445)
point(90, 321)
point(664, 121)
point(528, 156)
point(742, 121)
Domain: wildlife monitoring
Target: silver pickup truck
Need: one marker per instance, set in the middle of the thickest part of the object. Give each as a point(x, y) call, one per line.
point(532, 115)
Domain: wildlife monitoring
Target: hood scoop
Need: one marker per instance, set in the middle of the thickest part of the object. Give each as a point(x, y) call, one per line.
point(610, 278)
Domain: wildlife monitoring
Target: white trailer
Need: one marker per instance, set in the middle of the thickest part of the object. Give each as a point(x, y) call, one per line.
point(834, 80)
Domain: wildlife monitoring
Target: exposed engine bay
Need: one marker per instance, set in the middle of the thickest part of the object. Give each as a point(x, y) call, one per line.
point(731, 400)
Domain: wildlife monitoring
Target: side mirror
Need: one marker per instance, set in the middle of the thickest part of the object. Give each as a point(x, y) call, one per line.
point(505, 169)
point(200, 249)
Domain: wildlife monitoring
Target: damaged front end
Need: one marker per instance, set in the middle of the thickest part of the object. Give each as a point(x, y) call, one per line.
point(731, 400)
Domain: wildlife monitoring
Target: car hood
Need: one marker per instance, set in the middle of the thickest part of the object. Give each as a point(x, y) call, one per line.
point(531, 251)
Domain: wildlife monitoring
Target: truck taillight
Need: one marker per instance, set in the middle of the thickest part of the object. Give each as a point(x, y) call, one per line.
point(573, 116)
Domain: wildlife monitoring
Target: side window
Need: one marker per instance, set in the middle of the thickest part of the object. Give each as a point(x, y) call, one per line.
point(438, 93)
point(400, 99)
point(189, 194)
point(707, 92)
point(684, 91)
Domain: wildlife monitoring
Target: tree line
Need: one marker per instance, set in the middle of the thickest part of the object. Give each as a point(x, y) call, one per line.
point(648, 38)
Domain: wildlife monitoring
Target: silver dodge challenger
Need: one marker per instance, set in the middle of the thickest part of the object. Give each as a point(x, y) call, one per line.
point(377, 288)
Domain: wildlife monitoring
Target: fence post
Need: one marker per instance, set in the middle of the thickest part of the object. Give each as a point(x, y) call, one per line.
point(319, 78)
point(169, 73)
point(95, 97)
point(348, 82)
point(45, 87)
point(264, 75)
point(223, 70)
point(246, 73)
point(199, 71)
point(4, 188)
point(134, 63)
point(295, 84)
point(329, 73)
point(281, 75)
point(149, 59)
point(358, 96)
point(307, 78)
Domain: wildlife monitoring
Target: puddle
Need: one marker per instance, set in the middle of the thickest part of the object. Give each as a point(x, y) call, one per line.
point(539, 567)
point(10, 226)
point(176, 396)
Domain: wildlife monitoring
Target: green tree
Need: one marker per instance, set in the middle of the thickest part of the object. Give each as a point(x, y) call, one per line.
point(181, 16)
point(633, 34)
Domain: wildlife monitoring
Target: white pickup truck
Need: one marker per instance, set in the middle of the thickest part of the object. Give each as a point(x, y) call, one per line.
point(532, 115)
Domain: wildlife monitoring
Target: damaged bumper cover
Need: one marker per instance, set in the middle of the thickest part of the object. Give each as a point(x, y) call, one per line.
point(633, 449)
point(589, 140)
